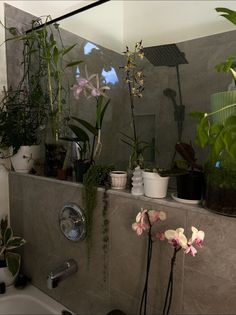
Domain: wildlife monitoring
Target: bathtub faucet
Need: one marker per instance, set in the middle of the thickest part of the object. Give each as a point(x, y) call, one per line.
point(62, 272)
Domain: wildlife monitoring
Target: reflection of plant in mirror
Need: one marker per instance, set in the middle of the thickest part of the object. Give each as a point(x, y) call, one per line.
point(44, 63)
point(134, 78)
point(90, 87)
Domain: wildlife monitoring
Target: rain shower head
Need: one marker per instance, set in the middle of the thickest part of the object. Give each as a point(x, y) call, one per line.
point(165, 55)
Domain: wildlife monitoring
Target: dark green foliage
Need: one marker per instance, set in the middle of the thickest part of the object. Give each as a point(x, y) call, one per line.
point(97, 175)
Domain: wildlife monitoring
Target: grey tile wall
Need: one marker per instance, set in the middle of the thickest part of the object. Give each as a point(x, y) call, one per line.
point(204, 284)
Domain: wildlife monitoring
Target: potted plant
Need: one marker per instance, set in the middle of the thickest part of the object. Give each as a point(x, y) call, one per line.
point(189, 174)
point(19, 129)
point(155, 183)
point(134, 78)
point(217, 131)
point(9, 261)
point(88, 135)
point(43, 65)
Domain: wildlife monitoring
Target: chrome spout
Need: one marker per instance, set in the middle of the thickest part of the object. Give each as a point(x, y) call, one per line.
point(68, 268)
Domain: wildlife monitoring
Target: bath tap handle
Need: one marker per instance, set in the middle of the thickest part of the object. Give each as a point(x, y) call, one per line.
point(63, 271)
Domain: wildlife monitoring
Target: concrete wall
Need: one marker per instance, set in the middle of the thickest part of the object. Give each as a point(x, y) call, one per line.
point(204, 284)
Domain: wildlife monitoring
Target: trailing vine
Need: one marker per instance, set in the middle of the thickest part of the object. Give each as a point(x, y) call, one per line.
point(105, 229)
point(97, 175)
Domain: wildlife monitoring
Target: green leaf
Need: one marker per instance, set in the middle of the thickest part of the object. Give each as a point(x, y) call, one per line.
point(203, 132)
point(198, 115)
point(66, 50)
point(7, 235)
point(232, 150)
point(15, 242)
point(80, 133)
point(73, 63)
point(218, 145)
point(87, 125)
point(103, 113)
point(228, 14)
point(13, 262)
point(3, 226)
point(55, 55)
point(230, 121)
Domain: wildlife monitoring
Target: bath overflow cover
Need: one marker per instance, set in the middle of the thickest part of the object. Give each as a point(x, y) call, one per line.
point(72, 222)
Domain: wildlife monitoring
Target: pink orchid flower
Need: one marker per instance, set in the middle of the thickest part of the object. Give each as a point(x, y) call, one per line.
point(140, 225)
point(191, 249)
point(197, 237)
point(96, 90)
point(176, 238)
point(158, 236)
point(155, 216)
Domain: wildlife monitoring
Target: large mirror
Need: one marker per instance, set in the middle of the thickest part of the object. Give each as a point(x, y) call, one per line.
point(183, 41)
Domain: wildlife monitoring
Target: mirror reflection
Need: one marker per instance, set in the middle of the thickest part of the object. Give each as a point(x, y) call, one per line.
point(104, 37)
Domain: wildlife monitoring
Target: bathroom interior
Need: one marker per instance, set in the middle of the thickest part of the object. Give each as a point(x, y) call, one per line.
point(111, 267)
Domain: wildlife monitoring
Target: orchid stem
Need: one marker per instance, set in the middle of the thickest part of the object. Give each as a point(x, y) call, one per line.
point(144, 298)
point(169, 291)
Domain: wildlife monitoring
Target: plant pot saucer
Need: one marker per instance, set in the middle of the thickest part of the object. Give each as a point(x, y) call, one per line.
point(188, 201)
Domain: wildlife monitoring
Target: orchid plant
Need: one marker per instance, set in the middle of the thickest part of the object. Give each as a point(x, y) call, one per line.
point(134, 78)
point(179, 242)
point(90, 86)
point(145, 220)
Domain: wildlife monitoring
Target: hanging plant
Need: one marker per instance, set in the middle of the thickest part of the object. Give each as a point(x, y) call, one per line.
point(97, 175)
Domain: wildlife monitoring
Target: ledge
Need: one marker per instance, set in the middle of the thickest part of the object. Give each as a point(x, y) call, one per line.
point(168, 201)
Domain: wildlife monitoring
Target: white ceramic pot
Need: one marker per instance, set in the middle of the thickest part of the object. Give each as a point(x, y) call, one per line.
point(25, 157)
point(155, 186)
point(118, 179)
point(5, 274)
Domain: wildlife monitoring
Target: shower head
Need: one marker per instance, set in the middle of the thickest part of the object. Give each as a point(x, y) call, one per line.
point(165, 55)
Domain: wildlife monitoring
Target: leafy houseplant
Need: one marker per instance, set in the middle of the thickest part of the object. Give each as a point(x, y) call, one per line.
point(8, 242)
point(217, 131)
point(43, 65)
point(83, 130)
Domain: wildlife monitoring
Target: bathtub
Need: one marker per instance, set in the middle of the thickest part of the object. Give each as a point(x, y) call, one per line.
point(29, 300)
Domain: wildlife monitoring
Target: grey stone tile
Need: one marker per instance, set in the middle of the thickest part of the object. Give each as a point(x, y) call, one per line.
point(217, 257)
point(204, 294)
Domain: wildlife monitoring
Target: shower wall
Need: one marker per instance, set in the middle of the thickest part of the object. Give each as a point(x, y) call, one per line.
point(154, 111)
point(204, 284)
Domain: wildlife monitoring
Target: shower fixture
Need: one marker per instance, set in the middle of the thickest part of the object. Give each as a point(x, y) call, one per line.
point(169, 55)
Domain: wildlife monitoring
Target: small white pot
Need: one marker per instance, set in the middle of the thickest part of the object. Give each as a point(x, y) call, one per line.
point(155, 186)
point(25, 157)
point(5, 274)
point(118, 179)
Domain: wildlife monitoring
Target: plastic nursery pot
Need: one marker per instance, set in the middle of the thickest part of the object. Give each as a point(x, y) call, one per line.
point(155, 186)
point(118, 179)
point(220, 195)
point(190, 186)
point(81, 167)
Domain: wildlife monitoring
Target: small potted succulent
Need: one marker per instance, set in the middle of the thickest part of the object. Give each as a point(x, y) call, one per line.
point(9, 261)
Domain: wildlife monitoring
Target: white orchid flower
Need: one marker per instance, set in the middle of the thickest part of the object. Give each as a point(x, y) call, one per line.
point(177, 238)
point(197, 237)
